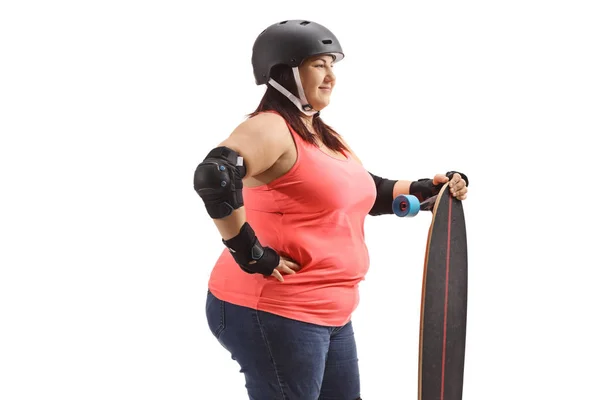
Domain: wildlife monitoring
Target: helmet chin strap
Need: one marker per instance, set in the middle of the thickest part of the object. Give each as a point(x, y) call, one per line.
point(302, 102)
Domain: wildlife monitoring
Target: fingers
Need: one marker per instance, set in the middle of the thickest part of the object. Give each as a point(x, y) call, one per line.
point(456, 178)
point(459, 194)
point(277, 275)
point(286, 266)
point(457, 183)
point(285, 269)
point(440, 178)
point(458, 187)
point(291, 264)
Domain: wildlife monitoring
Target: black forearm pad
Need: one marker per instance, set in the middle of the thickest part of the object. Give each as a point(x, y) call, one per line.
point(385, 196)
point(250, 255)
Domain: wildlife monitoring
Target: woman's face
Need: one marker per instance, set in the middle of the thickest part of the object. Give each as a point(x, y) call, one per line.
point(318, 80)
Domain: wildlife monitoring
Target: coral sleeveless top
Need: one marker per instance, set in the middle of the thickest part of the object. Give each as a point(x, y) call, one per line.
point(315, 215)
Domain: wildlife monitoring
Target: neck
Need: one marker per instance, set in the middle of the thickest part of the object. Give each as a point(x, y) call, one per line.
point(308, 122)
point(307, 119)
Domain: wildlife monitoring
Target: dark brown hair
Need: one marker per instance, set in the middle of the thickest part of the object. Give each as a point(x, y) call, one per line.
point(273, 100)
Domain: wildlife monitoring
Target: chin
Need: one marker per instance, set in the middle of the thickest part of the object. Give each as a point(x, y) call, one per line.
point(319, 105)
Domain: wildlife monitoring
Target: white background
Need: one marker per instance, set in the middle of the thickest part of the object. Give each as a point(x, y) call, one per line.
point(107, 108)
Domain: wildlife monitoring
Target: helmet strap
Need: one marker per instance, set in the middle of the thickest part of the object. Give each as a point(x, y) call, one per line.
point(302, 102)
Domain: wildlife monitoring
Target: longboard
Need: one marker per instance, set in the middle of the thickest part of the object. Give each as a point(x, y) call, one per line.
point(443, 322)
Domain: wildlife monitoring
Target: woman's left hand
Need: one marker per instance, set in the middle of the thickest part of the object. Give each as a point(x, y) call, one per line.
point(458, 186)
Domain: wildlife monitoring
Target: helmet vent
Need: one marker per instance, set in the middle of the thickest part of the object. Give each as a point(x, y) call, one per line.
point(327, 41)
point(304, 23)
point(282, 22)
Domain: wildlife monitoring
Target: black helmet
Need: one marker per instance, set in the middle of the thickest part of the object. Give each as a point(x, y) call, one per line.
point(290, 42)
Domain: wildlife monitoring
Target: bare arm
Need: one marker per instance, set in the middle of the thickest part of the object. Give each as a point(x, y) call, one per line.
point(401, 187)
point(261, 141)
point(389, 189)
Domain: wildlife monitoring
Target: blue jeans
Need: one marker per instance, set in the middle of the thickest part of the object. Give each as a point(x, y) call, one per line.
point(285, 359)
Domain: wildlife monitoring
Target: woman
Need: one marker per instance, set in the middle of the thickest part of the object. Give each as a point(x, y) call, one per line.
point(289, 198)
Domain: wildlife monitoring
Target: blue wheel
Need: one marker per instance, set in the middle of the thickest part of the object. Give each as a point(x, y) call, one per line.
point(406, 205)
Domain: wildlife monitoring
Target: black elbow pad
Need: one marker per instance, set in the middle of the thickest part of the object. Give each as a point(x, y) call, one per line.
point(218, 181)
point(385, 196)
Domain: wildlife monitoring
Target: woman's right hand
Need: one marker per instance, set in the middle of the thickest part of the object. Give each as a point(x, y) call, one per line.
point(286, 266)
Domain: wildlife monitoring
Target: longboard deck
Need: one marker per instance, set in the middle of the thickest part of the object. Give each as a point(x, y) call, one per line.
point(444, 303)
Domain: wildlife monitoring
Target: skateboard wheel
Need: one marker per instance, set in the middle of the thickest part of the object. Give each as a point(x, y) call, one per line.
point(406, 205)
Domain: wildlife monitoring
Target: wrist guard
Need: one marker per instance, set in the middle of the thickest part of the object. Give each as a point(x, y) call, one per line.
point(423, 189)
point(245, 248)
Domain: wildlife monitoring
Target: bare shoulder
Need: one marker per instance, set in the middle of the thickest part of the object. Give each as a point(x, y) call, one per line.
point(268, 125)
point(261, 140)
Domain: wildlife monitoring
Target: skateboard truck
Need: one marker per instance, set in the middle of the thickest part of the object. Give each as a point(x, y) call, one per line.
point(409, 205)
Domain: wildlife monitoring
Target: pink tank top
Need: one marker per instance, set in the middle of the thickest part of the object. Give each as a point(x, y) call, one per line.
point(315, 215)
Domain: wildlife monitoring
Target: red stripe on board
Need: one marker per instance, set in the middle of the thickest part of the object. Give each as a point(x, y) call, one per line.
point(446, 298)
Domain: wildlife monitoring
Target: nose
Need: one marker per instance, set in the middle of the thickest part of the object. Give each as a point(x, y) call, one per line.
point(330, 75)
